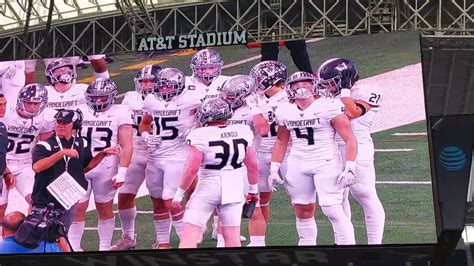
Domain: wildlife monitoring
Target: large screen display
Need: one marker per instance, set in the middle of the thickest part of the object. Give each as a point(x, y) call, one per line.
point(366, 89)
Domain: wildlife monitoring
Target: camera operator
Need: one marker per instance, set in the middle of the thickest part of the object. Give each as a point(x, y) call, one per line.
point(10, 225)
point(63, 153)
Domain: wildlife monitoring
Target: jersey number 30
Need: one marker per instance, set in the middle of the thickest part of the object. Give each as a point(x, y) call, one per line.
point(225, 154)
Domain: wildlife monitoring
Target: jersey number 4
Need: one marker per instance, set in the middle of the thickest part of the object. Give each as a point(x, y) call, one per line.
point(225, 154)
point(18, 143)
point(309, 134)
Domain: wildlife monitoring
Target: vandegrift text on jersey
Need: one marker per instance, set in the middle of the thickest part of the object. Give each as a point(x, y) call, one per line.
point(206, 39)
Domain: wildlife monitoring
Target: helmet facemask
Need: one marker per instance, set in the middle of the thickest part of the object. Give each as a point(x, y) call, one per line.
point(64, 74)
point(331, 86)
point(301, 89)
point(145, 86)
point(167, 89)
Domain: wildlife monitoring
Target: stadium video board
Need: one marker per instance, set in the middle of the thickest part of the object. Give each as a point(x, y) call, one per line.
point(390, 74)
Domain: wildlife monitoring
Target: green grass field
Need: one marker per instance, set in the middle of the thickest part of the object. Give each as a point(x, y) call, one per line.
point(408, 207)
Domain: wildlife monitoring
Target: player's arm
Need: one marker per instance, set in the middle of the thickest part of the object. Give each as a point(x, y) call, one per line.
point(125, 135)
point(343, 127)
point(195, 157)
point(281, 144)
point(30, 71)
point(145, 124)
point(366, 100)
point(355, 109)
point(261, 125)
point(250, 162)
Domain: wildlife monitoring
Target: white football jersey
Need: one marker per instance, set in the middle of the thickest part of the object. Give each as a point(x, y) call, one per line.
point(101, 129)
point(69, 99)
point(172, 121)
point(361, 125)
point(312, 135)
point(268, 107)
point(205, 92)
point(243, 116)
point(134, 101)
point(224, 148)
point(22, 132)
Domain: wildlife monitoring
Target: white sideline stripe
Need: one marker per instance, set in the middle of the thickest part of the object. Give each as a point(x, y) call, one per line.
point(140, 212)
point(410, 134)
point(243, 61)
point(95, 229)
point(392, 150)
point(403, 182)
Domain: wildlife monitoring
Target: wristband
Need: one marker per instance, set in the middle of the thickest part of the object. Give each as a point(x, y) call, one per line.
point(145, 134)
point(253, 189)
point(179, 195)
point(345, 93)
point(274, 167)
point(350, 165)
point(120, 176)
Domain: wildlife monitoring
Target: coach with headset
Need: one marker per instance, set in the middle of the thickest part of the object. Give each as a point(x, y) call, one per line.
point(63, 153)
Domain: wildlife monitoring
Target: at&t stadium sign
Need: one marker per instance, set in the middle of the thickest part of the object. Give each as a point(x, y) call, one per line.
point(207, 39)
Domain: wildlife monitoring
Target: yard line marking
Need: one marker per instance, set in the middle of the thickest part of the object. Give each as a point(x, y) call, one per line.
point(95, 229)
point(392, 150)
point(140, 212)
point(403, 182)
point(410, 134)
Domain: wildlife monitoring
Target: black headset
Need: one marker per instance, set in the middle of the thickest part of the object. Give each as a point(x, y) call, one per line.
point(76, 119)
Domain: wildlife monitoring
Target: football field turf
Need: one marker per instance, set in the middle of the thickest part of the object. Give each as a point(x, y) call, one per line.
point(408, 203)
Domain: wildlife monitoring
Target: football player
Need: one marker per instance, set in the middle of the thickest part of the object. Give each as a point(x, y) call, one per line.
point(239, 92)
point(145, 81)
point(172, 109)
point(206, 65)
point(218, 151)
point(64, 92)
point(270, 77)
point(105, 125)
point(98, 62)
point(338, 77)
point(26, 123)
point(313, 167)
point(12, 79)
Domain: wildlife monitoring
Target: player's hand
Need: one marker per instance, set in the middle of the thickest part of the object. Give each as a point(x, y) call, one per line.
point(117, 181)
point(112, 151)
point(274, 179)
point(251, 197)
point(9, 181)
point(115, 184)
point(176, 206)
point(119, 178)
point(151, 141)
point(347, 177)
point(70, 153)
point(147, 119)
point(10, 71)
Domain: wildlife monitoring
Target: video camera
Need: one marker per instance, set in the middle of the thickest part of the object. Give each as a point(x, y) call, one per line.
point(41, 225)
